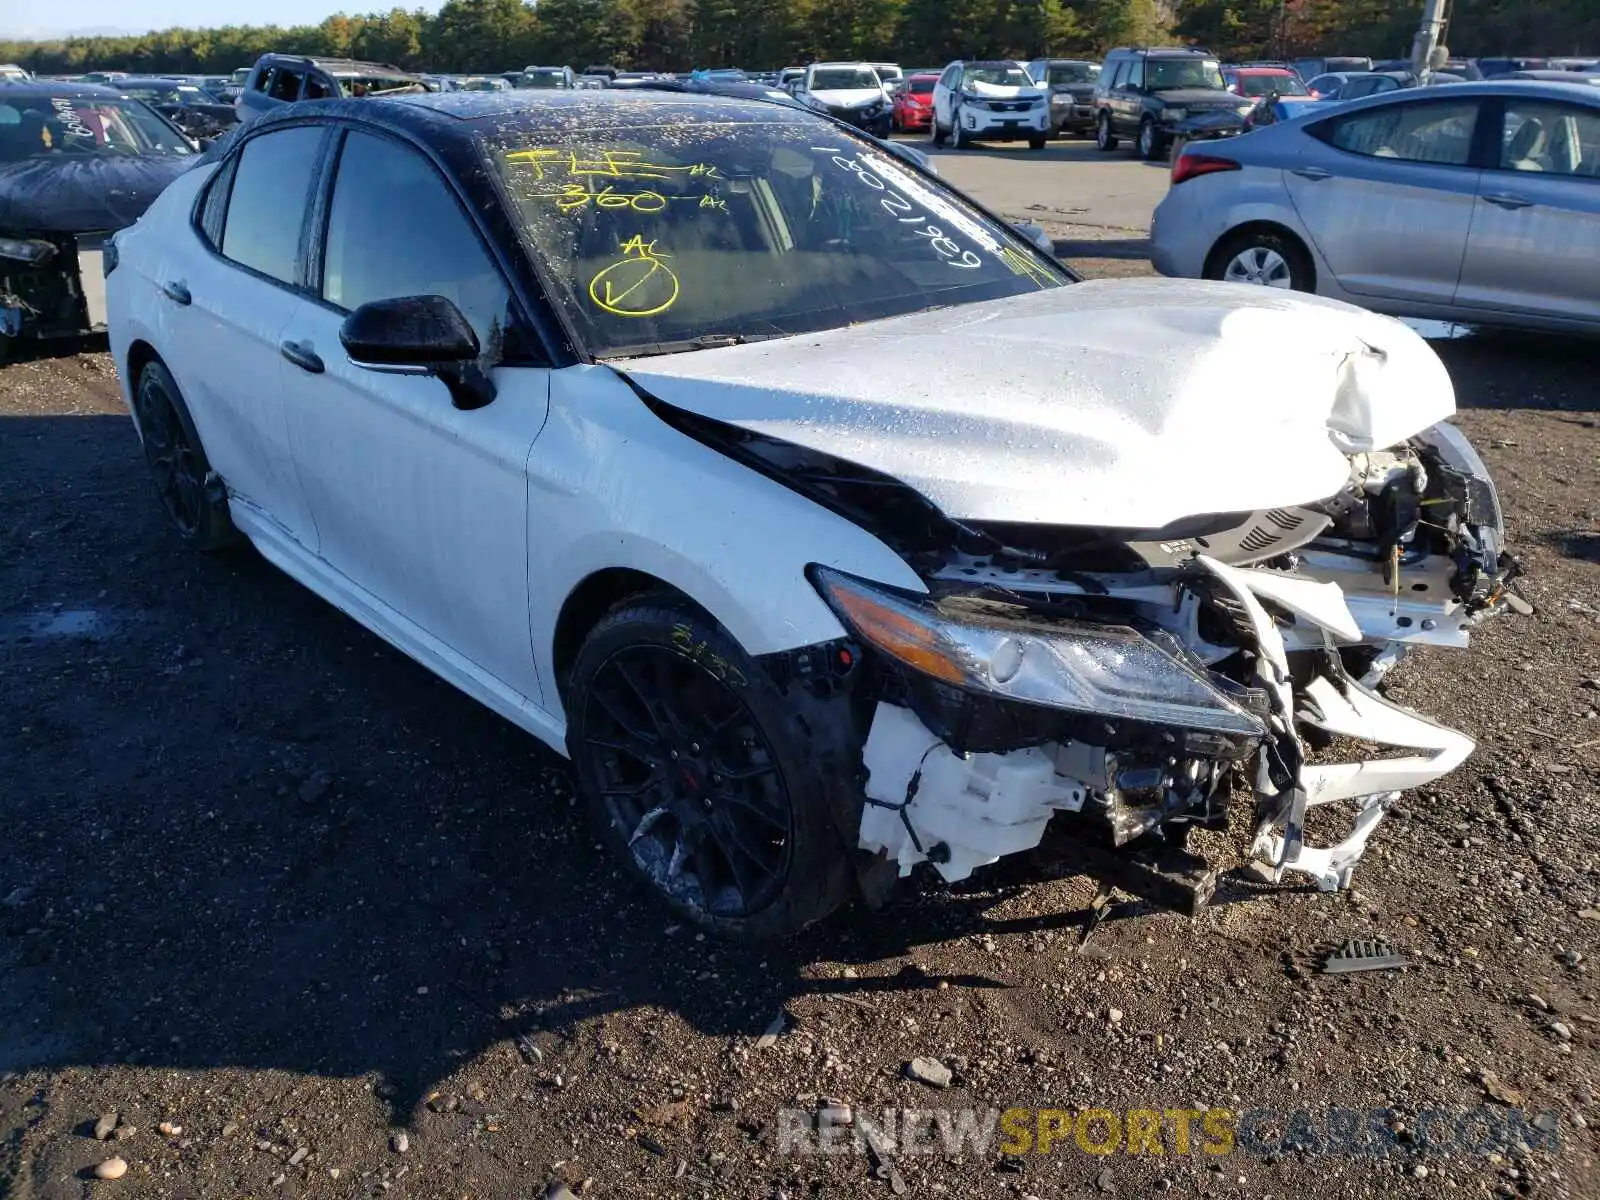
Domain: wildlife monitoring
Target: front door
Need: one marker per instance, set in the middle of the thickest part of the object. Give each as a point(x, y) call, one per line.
point(1387, 195)
point(1535, 235)
point(419, 503)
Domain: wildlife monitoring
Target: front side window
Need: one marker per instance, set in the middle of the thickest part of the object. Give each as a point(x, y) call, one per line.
point(652, 236)
point(1121, 77)
point(395, 229)
point(267, 204)
point(51, 127)
point(285, 85)
point(1427, 133)
point(1163, 73)
point(1555, 139)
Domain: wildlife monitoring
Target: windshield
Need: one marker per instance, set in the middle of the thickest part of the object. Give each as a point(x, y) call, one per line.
point(922, 86)
point(1163, 73)
point(42, 126)
point(654, 236)
point(544, 79)
point(843, 79)
point(1265, 85)
point(998, 74)
point(1073, 73)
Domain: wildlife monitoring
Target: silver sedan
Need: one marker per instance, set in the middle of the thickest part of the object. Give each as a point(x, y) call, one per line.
point(1477, 202)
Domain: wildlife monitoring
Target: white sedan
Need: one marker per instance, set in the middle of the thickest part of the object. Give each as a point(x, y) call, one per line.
point(825, 523)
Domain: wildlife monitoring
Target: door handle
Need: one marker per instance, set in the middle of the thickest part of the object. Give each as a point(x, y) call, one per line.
point(1507, 200)
point(302, 356)
point(1312, 173)
point(176, 291)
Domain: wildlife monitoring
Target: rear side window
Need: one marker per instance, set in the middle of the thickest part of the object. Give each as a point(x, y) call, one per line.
point(267, 204)
point(1550, 138)
point(1425, 133)
point(318, 88)
point(378, 249)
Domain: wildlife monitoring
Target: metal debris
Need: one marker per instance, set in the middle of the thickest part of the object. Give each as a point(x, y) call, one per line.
point(770, 1037)
point(1364, 954)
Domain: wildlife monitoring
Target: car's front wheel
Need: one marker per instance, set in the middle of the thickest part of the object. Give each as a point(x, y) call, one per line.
point(1149, 140)
point(701, 773)
point(935, 130)
point(958, 135)
point(1263, 257)
point(190, 491)
point(1037, 142)
point(1104, 139)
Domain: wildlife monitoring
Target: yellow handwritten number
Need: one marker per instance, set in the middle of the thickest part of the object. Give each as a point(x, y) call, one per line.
point(638, 284)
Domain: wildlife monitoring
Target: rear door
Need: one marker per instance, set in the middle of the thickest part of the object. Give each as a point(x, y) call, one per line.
point(1387, 195)
point(1535, 235)
point(228, 299)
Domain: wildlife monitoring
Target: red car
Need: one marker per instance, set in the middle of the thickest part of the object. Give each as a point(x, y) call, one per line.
point(1255, 82)
point(913, 103)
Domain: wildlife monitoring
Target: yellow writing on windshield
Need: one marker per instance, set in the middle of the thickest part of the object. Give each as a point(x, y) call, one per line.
point(1027, 267)
point(573, 196)
point(609, 164)
point(638, 284)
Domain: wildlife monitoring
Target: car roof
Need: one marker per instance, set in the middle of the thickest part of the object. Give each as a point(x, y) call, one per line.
point(989, 62)
point(25, 89)
point(1261, 70)
point(332, 65)
point(456, 116)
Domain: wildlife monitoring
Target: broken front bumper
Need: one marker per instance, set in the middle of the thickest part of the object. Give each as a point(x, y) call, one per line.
point(927, 802)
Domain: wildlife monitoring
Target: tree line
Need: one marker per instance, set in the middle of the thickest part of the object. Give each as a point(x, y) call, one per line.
point(499, 35)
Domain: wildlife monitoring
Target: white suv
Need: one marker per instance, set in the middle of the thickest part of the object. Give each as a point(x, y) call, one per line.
point(989, 101)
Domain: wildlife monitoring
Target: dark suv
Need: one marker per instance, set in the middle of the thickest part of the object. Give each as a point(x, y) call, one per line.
point(1071, 82)
point(284, 78)
point(1145, 92)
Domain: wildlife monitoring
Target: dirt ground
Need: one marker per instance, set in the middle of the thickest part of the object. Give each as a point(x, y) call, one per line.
point(276, 897)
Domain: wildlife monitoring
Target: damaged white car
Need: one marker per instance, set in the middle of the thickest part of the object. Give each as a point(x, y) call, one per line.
point(828, 526)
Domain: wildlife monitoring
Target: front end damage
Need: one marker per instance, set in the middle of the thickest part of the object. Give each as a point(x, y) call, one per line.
point(1132, 686)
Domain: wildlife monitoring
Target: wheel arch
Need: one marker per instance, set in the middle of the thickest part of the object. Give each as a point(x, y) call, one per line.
point(587, 604)
point(1293, 237)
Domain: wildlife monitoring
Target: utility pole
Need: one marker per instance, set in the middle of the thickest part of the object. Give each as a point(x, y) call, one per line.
point(1428, 52)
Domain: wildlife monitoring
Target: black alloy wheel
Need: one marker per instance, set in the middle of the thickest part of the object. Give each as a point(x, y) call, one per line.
point(689, 776)
point(177, 464)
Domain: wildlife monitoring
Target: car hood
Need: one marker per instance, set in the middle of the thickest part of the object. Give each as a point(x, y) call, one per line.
point(1122, 404)
point(1201, 96)
point(70, 193)
point(849, 97)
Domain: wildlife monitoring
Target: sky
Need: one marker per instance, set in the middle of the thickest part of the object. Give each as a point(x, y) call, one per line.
point(49, 18)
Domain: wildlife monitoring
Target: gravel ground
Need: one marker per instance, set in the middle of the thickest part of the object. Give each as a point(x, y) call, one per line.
point(296, 919)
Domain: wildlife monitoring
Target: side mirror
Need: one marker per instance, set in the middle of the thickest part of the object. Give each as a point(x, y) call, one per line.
point(419, 335)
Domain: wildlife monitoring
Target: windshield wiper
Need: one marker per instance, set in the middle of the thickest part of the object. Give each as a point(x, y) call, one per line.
point(706, 341)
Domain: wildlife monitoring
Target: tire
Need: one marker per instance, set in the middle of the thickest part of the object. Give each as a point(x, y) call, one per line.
point(958, 136)
point(1263, 257)
point(1150, 146)
point(1037, 143)
point(934, 132)
point(190, 491)
point(1104, 140)
point(703, 776)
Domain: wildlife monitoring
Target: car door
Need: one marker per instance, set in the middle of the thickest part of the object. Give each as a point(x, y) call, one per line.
point(942, 92)
point(1387, 193)
point(229, 293)
point(1535, 234)
point(1127, 98)
point(421, 505)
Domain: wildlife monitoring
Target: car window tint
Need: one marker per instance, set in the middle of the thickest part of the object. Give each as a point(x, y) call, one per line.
point(317, 89)
point(215, 204)
point(379, 249)
point(1558, 139)
point(1428, 133)
point(267, 205)
point(1136, 73)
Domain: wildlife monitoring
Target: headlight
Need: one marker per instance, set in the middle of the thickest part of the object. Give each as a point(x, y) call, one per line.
point(1246, 109)
point(27, 251)
point(1107, 670)
point(1060, 98)
point(1174, 114)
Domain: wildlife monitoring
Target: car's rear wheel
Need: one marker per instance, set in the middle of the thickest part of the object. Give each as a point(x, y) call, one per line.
point(1263, 257)
point(1149, 140)
point(1103, 137)
point(700, 774)
point(190, 490)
